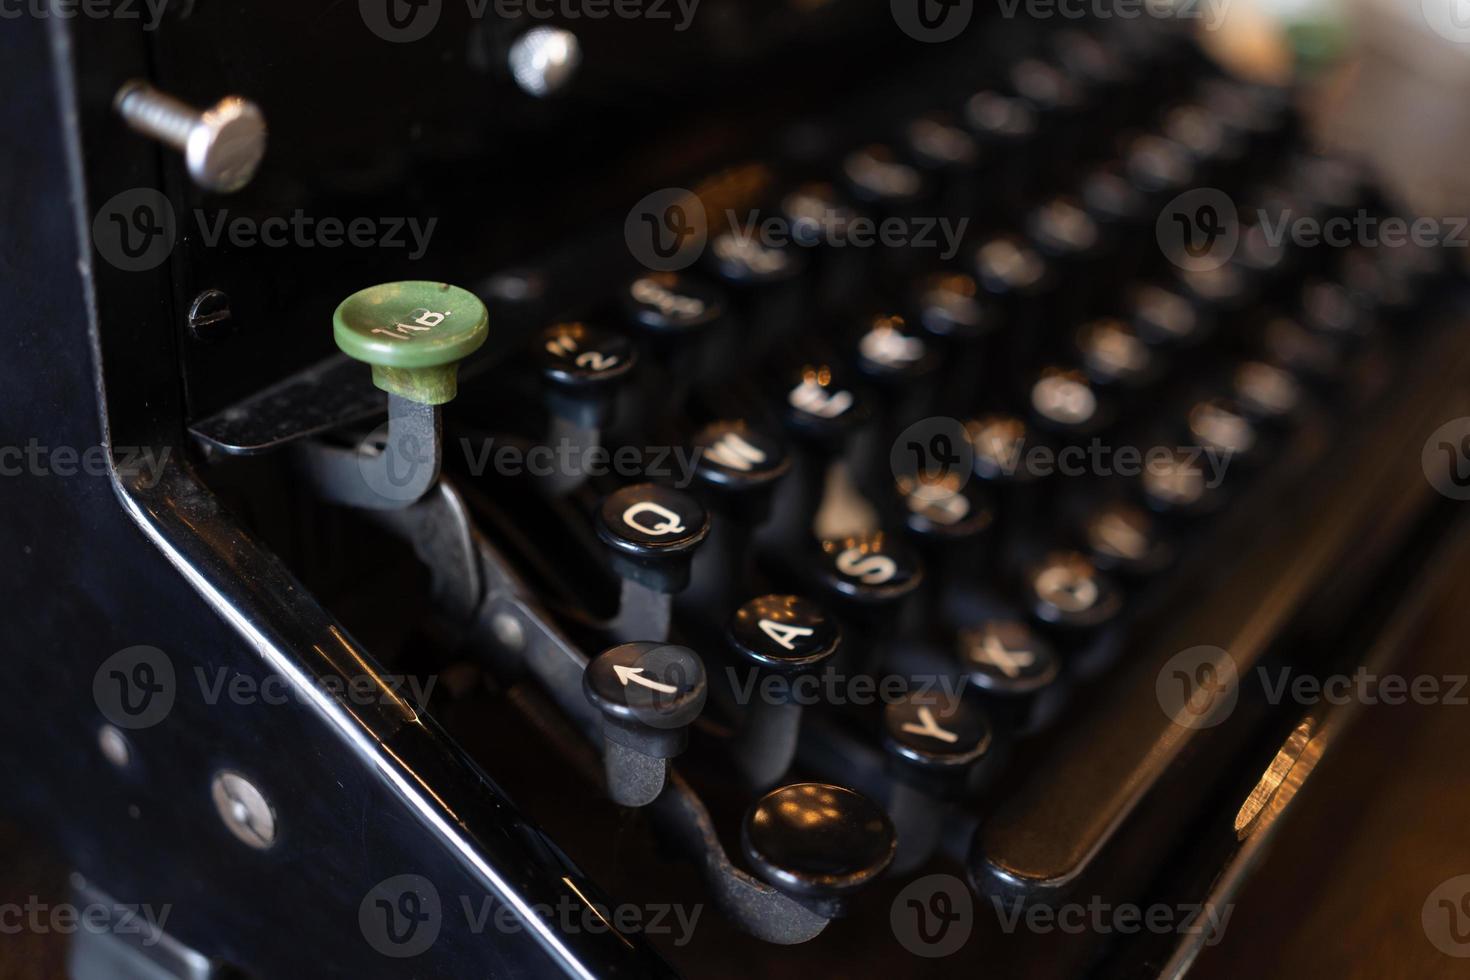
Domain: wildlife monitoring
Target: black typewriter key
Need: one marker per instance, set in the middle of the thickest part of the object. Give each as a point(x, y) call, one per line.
point(1269, 395)
point(1111, 81)
point(766, 284)
point(1018, 282)
point(1060, 100)
point(937, 746)
point(1070, 241)
point(584, 368)
point(895, 192)
point(1117, 360)
point(950, 155)
point(1065, 404)
point(1217, 292)
point(818, 843)
point(1007, 129)
point(823, 223)
point(782, 639)
point(950, 309)
point(649, 694)
point(950, 520)
point(1257, 113)
point(1158, 167)
point(1124, 539)
point(1223, 428)
point(652, 533)
point(1076, 601)
point(684, 324)
point(823, 412)
point(1164, 318)
point(1016, 670)
point(738, 468)
point(868, 577)
point(1181, 484)
point(900, 364)
point(1306, 354)
point(1215, 149)
point(1004, 449)
point(1121, 213)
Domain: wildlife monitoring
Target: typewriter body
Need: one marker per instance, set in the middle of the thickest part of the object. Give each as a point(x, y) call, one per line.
point(758, 490)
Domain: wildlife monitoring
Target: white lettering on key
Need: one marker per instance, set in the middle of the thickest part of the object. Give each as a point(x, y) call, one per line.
point(929, 728)
point(784, 633)
point(870, 569)
point(1009, 662)
point(735, 453)
point(812, 398)
point(670, 523)
point(634, 675)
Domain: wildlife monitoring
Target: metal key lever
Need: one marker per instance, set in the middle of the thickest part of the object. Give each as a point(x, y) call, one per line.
point(414, 335)
point(651, 533)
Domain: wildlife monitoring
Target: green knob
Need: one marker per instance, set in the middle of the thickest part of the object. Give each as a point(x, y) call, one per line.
point(414, 334)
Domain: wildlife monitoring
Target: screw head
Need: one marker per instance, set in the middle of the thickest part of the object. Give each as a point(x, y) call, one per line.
point(115, 746)
point(244, 809)
point(210, 318)
point(544, 59)
point(226, 145)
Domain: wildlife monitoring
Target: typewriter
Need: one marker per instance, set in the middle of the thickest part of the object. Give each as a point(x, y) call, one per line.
point(713, 490)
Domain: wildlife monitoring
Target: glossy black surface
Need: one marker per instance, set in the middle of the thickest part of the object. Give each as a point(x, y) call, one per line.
point(936, 733)
point(1068, 591)
point(1007, 657)
point(786, 633)
point(738, 458)
point(672, 305)
point(651, 521)
point(817, 840)
point(652, 684)
point(583, 358)
point(869, 568)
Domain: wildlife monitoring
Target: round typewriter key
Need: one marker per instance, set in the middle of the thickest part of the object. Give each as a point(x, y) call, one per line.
point(650, 521)
point(1163, 317)
point(1116, 357)
point(817, 842)
point(735, 457)
point(1158, 167)
point(936, 734)
point(1175, 484)
point(877, 176)
point(949, 307)
point(1007, 657)
point(1066, 590)
point(648, 684)
point(744, 260)
point(413, 334)
point(892, 353)
point(671, 304)
point(784, 633)
point(1303, 352)
point(1065, 403)
point(1123, 538)
point(1266, 393)
point(1224, 428)
point(948, 509)
point(820, 406)
point(869, 568)
point(580, 357)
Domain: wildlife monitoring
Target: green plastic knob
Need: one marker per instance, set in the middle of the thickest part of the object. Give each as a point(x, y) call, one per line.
point(414, 334)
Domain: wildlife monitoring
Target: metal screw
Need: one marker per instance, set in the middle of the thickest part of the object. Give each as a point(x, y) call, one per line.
point(244, 809)
point(114, 745)
point(509, 631)
point(210, 319)
point(222, 145)
point(544, 59)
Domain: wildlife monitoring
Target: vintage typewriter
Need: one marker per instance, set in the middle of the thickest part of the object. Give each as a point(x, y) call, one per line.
point(789, 491)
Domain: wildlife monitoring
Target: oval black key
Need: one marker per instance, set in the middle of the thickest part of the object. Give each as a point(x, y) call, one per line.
point(818, 843)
